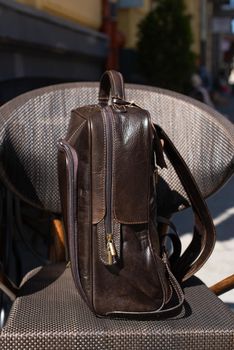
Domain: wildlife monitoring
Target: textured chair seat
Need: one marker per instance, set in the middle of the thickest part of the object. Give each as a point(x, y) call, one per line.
point(50, 314)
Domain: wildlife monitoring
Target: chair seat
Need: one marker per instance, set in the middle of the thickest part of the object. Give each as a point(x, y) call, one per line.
point(49, 314)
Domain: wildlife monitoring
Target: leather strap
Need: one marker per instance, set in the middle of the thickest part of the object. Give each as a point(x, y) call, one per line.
point(173, 237)
point(204, 235)
point(111, 83)
point(7, 286)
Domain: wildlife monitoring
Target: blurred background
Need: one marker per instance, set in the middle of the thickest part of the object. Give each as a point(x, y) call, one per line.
point(182, 45)
point(157, 42)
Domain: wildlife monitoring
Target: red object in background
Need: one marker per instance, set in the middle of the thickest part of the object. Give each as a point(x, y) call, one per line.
point(109, 27)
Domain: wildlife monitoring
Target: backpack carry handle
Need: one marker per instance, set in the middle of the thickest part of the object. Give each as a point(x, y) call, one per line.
point(111, 83)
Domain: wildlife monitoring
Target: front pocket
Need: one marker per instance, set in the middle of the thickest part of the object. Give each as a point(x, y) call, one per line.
point(136, 286)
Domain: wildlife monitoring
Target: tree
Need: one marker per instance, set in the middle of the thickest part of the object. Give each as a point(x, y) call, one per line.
point(164, 46)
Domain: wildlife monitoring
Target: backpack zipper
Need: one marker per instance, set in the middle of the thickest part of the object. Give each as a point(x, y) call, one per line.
point(110, 246)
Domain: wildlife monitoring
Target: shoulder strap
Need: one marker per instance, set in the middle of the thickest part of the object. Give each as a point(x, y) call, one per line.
point(204, 236)
point(7, 286)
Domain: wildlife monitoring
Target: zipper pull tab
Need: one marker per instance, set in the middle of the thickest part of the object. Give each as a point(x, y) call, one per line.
point(111, 250)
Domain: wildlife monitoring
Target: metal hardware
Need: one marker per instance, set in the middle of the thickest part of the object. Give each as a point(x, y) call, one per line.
point(120, 102)
point(111, 250)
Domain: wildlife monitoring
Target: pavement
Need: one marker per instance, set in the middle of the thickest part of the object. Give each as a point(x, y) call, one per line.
point(221, 205)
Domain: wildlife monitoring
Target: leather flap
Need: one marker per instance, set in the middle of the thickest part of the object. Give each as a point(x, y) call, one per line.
point(131, 165)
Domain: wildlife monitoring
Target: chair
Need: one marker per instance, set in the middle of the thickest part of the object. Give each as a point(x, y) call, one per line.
point(48, 312)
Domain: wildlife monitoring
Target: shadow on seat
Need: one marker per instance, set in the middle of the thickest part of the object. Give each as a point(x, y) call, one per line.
point(48, 311)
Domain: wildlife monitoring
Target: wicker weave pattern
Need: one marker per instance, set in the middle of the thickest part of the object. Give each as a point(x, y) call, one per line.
point(33, 123)
point(54, 317)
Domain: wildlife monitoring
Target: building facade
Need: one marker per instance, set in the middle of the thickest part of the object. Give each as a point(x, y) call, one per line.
point(48, 41)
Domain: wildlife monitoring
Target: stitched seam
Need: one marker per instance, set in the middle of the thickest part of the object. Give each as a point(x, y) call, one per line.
point(122, 83)
point(113, 80)
point(77, 111)
point(76, 131)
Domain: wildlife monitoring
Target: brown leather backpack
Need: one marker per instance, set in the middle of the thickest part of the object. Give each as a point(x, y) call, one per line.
point(108, 183)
